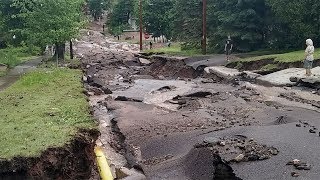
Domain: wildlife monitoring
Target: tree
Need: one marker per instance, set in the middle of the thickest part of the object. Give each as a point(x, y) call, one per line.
point(158, 17)
point(188, 23)
point(10, 24)
point(301, 19)
point(122, 11)
point(50, 22)
point(244, 20)
point(97, 7)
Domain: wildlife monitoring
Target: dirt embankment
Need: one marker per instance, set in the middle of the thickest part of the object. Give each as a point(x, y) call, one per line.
point(260, 66)
point(169, 68)
point(73, 161)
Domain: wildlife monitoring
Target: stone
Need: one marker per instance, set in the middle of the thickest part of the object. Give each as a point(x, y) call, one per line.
point(222, 143)
point(294, 79)
point(312, 131)
point(85, 79)
point(144, 61)
point(106, 90)
point(96, 91)
point(294, 174)
point(239, 158)
point(298, 125)
point(303, 167)
point(211, 140)
point(89, 79)
point(296, 161)
point(241, 146)
point(251, 75)
point(129, 174)
point(274, 151)
point(252, 157)
point(223, 72)
point(90, 94)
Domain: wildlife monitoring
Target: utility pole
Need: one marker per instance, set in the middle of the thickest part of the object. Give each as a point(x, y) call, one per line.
point(140, 9)
point(204, 26)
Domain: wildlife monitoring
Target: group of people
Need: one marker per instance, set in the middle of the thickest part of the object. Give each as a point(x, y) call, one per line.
point(308, 61)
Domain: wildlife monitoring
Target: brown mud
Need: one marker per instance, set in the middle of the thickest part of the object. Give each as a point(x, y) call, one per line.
point(73, 161)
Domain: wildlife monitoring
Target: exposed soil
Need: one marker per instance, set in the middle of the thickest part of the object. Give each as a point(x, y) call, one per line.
point(73, 161)
point(169, 68)
point(257, 66)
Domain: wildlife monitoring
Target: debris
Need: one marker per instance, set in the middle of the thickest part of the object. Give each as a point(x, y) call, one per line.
point(296, 161)
point(312, 131)
point(222, 143)
point(294, 174)
point(123, 98)
point(239, 158)
point(303, 166)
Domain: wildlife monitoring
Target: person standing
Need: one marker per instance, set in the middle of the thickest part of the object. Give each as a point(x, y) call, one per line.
point(308, 62)
point(150, 44)
point(228, 48)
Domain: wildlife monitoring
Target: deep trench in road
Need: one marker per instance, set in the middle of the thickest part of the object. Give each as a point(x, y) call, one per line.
point(164, 119)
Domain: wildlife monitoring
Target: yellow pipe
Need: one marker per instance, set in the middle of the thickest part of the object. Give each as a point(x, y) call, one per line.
point(103, 166)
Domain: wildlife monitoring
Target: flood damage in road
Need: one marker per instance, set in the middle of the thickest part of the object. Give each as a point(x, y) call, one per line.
point(161, 118)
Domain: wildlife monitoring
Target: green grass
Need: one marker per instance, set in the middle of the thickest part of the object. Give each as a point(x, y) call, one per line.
point(45, 108)
point(14, 56)
point(176, 50)
point(285, 57)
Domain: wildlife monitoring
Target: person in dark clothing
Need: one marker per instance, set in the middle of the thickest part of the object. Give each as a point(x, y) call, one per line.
point(228, 48)
point(150, 44)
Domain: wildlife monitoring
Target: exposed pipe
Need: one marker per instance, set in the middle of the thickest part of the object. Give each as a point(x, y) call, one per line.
point(103, 166)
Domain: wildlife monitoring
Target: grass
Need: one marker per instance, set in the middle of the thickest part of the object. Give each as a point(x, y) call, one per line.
point(51, 63)
point(294, 56)
point(45, 108)
point(176, 50)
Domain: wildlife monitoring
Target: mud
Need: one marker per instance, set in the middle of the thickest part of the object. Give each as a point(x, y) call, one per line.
point(171, 121)
point(170, 68)
point(73, 161)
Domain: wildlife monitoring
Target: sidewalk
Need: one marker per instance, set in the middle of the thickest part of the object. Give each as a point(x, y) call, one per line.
point(16, 72)
point(282, 78)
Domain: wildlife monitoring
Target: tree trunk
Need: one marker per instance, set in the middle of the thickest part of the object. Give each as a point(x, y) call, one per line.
point(60, 50)
point(71, 50)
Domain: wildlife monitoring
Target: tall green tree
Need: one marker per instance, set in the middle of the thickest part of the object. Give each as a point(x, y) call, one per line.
point(10, 23)
point(97, 7)
point(51, 22)
point(188, 23)
point(244, 20)
point(158, 17)
point(121, 12)
point(301, 19)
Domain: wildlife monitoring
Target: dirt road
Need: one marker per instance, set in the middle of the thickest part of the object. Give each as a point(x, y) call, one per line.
point(160, 118)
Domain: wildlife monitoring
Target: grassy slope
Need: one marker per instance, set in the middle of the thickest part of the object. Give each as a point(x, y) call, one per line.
point(43, 109)
point(286, 57)
point(175, 49)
